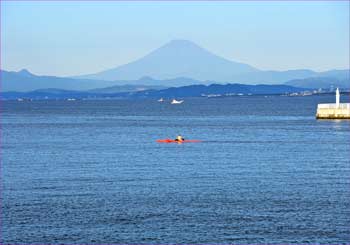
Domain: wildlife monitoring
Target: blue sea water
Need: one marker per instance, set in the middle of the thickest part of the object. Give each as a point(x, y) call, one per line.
point(91, 172)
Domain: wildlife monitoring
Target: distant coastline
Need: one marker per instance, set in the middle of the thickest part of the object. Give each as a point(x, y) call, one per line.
point(199, 91)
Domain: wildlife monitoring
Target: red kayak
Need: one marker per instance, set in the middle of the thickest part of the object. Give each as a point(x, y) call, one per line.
point(175, 141)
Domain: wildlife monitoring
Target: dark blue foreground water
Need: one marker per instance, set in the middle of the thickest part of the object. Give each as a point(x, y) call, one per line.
point(91, 172)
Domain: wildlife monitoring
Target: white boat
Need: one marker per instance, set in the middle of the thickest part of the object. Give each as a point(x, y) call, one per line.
point(160, 100)
point(174, 101)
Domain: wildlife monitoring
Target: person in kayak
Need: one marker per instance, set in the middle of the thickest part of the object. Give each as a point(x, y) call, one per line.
point(179, 138)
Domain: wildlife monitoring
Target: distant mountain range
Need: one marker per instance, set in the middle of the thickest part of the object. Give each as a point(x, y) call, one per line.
point(185, 91)
point(178, 58)
point(182, 58)
point(177, 63)
point(125, 88)
point(280, 77)
point(320, 82)
point(24, 81)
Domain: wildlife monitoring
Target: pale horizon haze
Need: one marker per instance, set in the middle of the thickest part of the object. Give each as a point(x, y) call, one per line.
point(74, 38)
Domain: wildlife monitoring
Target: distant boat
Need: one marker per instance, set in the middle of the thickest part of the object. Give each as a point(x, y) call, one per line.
point(174, 101)
point(161, 100)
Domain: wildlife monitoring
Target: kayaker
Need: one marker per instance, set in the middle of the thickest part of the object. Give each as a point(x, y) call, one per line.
point(179, 138)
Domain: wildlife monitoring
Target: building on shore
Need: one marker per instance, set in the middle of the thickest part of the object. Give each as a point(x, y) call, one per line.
point(335, 110)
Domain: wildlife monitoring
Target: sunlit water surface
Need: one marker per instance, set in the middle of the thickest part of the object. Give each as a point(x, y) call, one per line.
point(91, 172)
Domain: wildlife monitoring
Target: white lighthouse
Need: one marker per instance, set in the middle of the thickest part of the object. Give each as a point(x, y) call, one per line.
point(334, 111)
point(337, 98)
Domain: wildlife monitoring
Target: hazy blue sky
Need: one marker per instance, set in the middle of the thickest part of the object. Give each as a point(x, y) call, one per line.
point(71, 38)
